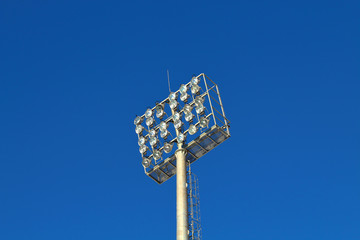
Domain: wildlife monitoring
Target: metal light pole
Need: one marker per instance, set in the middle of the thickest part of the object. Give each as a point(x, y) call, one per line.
point(182, 227)
point(207, 127)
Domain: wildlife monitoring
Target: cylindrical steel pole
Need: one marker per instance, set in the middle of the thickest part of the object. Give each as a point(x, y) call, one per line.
point(181, 195)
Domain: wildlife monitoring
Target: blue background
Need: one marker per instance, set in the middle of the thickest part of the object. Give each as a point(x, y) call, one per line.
point(73, 75)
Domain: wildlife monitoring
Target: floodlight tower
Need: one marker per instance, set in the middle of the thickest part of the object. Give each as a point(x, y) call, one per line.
point(198, 124)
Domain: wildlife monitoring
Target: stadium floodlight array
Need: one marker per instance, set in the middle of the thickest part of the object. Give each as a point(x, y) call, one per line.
point(193, 117)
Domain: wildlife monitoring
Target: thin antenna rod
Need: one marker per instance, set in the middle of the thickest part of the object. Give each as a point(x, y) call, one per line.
point(168, 79)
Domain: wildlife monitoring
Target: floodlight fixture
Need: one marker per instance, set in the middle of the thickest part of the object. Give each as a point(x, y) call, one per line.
point(203, 130)
point(209, 120)
point(200, 109)
point(199, 101)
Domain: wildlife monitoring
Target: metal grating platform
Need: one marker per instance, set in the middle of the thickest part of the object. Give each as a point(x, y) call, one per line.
point(195, 149)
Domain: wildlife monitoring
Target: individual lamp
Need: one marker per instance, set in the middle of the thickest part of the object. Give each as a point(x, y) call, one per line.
point(168, 147)
point(139, 129)
point(204, 122)
point(173, 104)
point(189, 117)
point(153, 133)
point(195, 81)
point(157, 154)
point(148, 113)
point(192, 129)
point(199, 101)
point(142, 140)
point(200, 109)
point(187, 108)
point(138, 120)
point(146, 162)
point(159, 111)
point(176, 116)
point(183, 89)
point(173, 96)
point(181, 137)
point(178, 124)
point(143, 149)
point(195, 89)
point(163, 126)
point(150, 122)
point(164, 134)
point(153, 141)
point(184, 97)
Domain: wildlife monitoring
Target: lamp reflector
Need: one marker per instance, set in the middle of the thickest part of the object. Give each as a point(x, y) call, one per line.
point(153, 141)
point(187, 108)
point(168, 147)
point(195, 89)
point(163, 125)
point(178, 124)
point(148, 113)
point(192, 129)
point(146, 162)
point(150, 121)
point(142, 140)
point(183, 89)
point(176, 116)
point(181, 137)
point(138, 120)
point(157, 154)
point(164, 134)
point(173, 96)
point(173, 104)
point(139, 129)
point(159, 111)
point(195, 81)
point(204, 122)
point(189, 117)
point(143, 149)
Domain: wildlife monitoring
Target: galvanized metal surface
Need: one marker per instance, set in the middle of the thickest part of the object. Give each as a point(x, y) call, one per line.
point(182, 226)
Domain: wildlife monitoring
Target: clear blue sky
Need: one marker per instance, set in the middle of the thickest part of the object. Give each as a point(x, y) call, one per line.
point(73, 75)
